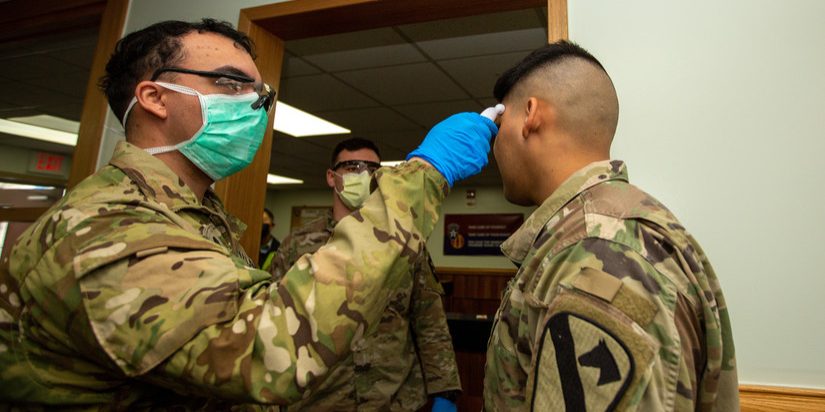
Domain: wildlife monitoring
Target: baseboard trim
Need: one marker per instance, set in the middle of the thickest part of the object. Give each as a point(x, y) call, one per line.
point(759, 398)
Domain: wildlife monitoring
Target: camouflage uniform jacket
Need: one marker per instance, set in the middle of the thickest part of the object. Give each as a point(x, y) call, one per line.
point(408, 357)
point(614, 307)
point(132, 292)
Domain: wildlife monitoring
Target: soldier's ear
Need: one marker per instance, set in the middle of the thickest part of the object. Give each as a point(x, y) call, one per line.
point(150, 98)
point(330, 179)
point(538, 114)
point(532, 119)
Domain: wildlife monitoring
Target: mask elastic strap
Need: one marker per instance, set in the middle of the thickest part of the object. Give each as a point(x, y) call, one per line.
point(128, 110)
point(180, 89)
point(163, 149)
point(170, 86)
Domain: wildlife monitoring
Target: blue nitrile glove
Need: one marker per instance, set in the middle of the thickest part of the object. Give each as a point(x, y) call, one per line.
point(443, 405)
point(458, 146)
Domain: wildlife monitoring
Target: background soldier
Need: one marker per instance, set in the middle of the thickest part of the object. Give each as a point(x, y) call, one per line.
point(614, 305)
point(411, 354)
point(133, 292)
point(269, 244)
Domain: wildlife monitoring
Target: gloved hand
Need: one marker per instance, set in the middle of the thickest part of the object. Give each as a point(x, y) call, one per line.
point(443, 405)
point(458, 146)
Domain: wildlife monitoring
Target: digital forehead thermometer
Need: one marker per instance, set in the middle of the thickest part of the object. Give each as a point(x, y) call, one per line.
point(493, 112)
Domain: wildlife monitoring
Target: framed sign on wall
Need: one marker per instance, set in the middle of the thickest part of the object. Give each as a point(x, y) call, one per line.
point(478, 234)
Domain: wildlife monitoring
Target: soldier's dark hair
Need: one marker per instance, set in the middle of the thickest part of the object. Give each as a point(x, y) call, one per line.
point(351, 145)
point(140, 53)
point(542, 57)
point(269, 213)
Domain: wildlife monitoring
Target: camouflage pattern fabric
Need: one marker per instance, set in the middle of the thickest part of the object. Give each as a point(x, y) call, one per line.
point(132, 293)
point(614, 307)
point(306, 239)
point(408, 357)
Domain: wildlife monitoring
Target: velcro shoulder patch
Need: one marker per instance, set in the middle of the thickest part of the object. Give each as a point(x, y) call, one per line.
point(589, 356)
point(611, 290)
point(597, 283)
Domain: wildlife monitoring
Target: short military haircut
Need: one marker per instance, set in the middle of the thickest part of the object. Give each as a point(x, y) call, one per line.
point(139, 54)
point(540, 58)
point(351, 145)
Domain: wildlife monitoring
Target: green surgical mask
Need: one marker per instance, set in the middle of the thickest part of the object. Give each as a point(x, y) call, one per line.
point(230, 136)
point(356, 189)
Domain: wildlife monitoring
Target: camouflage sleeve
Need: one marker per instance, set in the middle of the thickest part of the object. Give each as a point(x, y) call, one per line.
point(201, 322)
point(432, 336)
point(284, 258)
point(607, 338)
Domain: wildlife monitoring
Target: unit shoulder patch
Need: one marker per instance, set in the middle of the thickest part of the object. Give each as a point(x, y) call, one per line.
point(589, 357)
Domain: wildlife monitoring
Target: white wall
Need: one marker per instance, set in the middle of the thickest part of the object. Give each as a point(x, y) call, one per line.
point(722, 118)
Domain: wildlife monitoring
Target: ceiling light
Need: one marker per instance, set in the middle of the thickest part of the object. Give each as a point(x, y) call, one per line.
point(19, 186)
point(281, 180)
point(38, 132)
point(392, 163)
point(49, 122)
point(298, 123)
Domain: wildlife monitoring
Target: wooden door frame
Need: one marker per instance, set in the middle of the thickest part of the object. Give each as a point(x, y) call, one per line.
point(269, 26)
point(95, 105)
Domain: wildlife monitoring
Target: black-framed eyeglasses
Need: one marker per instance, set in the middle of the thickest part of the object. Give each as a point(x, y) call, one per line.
point(357, 166)
point(231, 81)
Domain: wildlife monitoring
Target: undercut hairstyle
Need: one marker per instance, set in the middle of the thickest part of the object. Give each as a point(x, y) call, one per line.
point(140, 53)
point(351, 145)
point(540, 58)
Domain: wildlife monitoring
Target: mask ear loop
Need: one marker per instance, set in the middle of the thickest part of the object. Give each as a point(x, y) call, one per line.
point(184, 90)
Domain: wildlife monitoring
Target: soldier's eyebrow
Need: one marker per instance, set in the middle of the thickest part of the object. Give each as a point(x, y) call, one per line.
point(232, 70)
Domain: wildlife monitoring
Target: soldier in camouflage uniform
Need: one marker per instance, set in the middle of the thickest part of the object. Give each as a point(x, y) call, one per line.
point(133, 291)
point(614, 305)
point(411, 354)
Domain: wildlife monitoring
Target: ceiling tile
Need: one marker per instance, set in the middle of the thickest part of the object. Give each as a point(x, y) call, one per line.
point(484, 44)
point(478, 75)
point(488, 101)
point(378, 119)
point(30, 67)
point(344, 41)
point(471, 25)
point(399, 143)
point(33, 96)
point(72, 82)
point(81, 56)
point(70, 111)
point(413, 83)
point(428, 114)
point(394, 54)
point(321, 92)
point(295, 66)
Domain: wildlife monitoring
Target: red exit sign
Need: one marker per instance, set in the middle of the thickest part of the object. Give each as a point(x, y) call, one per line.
point(43, 162)
point(47, 162)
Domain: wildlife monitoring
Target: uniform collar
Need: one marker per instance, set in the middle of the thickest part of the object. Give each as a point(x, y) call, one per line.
point(155, 179)
point(518, 245)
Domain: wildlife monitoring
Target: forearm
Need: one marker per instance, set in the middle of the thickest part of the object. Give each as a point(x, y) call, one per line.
point(284, 336)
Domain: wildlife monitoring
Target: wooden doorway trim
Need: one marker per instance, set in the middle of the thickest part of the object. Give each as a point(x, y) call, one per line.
point(95, 105)
point(269, 26)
